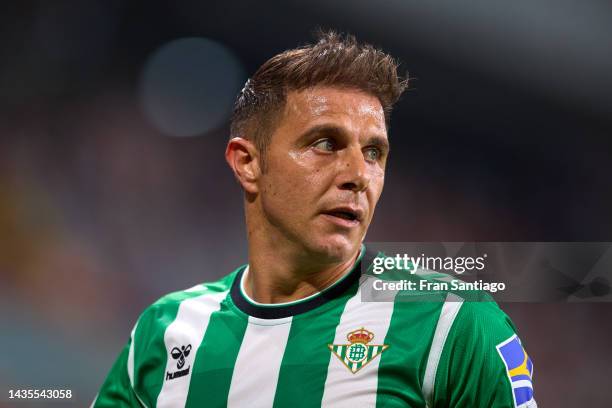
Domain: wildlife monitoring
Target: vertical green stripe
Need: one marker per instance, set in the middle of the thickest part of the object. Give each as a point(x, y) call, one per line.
point(402, 365)
point(150, 354)
point(304, 367)
point(215, 360)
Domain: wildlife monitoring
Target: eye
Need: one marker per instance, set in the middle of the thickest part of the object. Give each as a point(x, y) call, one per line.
point(325, 144)
point(373, 154)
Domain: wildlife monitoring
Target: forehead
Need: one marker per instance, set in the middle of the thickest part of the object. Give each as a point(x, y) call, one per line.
point(322, 103)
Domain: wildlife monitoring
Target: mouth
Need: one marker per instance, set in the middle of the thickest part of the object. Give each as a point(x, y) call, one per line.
point(346, 216)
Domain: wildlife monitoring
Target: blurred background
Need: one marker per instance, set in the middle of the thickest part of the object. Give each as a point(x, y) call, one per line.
point(114, 190)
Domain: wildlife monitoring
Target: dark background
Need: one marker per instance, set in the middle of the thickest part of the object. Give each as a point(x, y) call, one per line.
point(114, 190)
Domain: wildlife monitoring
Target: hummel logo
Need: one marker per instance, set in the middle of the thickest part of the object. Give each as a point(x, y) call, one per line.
point(179, 354)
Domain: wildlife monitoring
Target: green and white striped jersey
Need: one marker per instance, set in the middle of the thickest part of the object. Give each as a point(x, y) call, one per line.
point(211, 346)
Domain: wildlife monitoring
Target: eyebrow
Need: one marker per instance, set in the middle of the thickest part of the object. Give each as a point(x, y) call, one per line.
point(374, 140)
point(323, 128)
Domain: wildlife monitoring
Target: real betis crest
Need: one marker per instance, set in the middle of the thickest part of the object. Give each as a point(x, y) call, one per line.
point(358, 352)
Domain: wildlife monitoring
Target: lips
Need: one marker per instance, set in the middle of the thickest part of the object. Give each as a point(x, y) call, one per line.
point(353, 215)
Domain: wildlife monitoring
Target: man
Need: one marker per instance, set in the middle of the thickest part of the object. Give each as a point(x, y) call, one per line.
point(309, 147)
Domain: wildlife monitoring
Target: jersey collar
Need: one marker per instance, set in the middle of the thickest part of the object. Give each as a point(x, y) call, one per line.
point(281, 310)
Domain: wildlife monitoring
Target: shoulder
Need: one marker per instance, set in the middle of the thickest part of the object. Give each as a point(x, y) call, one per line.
point(478, 351)
point(475, 356)
point(466, 314)
point(163, 311)
point(484, 316)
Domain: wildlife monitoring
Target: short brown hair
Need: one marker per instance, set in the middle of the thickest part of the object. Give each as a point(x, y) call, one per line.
point(335, 60)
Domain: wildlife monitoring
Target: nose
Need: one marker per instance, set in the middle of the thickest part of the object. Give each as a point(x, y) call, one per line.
point(353, 174)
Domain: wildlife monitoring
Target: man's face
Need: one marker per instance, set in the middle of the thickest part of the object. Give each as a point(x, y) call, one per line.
point(325, 169)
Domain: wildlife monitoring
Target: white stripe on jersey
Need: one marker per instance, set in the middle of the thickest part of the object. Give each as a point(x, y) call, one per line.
point(130, 364)
point(130, 359)
point(187, 329)
point(342, 387)
point(258, 363)
point(449, 311)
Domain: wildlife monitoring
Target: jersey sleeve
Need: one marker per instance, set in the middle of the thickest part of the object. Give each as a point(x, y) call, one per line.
point(117, 389)
point(483, 362)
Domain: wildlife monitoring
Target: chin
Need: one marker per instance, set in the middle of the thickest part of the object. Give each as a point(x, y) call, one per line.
point(336, 249)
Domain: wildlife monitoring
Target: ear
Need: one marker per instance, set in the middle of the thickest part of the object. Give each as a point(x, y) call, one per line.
point(243, 158)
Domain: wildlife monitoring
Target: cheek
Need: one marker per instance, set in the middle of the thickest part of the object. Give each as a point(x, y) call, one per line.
point(302, 176)
point(308, 168)
point(287, 192)
point(376, 187)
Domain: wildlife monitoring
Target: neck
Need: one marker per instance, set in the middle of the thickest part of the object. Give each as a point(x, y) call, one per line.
point(281, 281)
point(281, 271)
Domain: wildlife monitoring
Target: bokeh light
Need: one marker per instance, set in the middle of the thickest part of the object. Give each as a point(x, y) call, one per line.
point(188, 86)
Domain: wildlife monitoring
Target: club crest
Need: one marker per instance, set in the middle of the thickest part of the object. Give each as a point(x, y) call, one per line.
point(358, 352)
